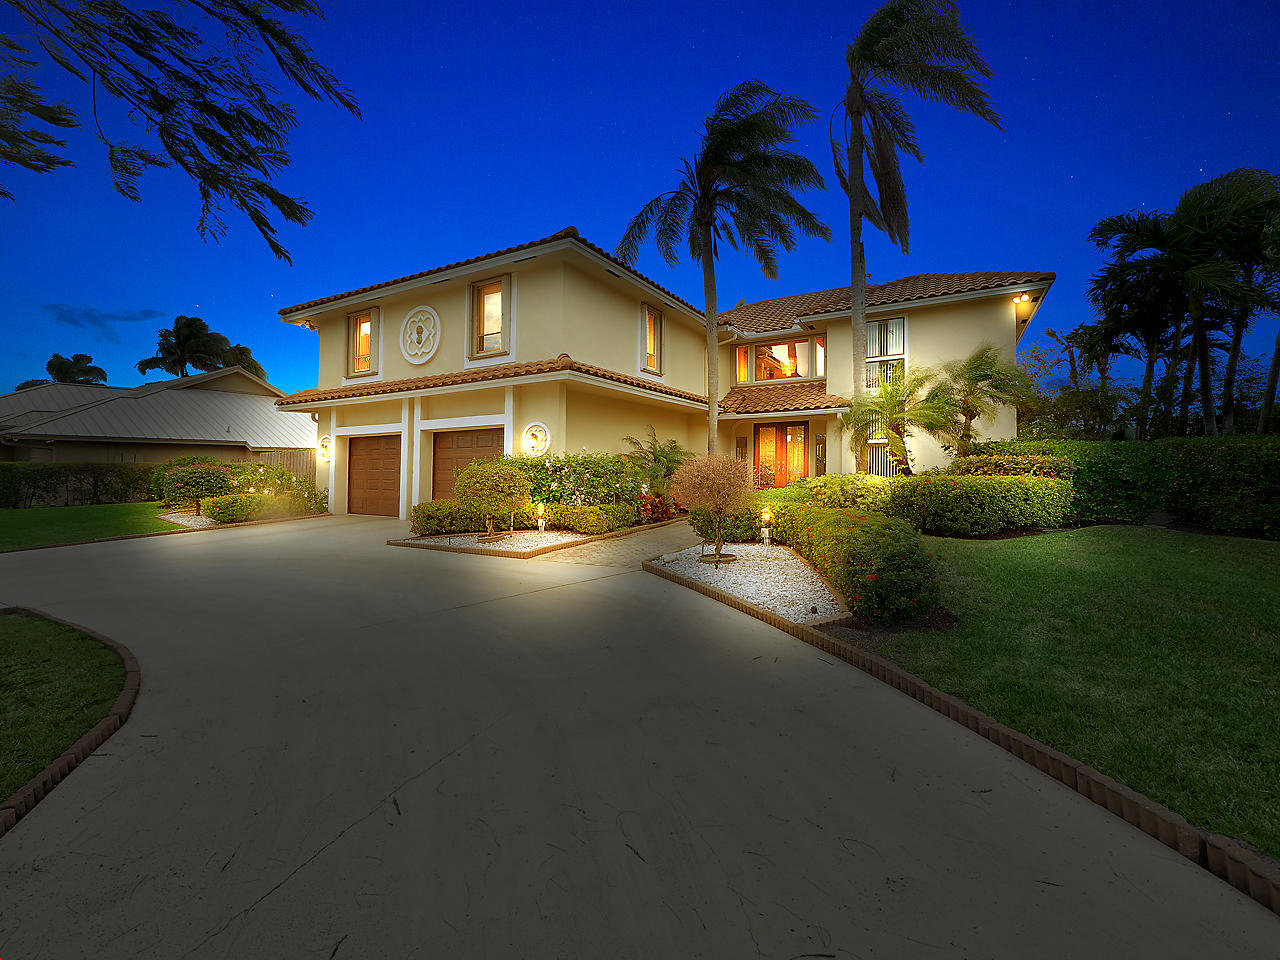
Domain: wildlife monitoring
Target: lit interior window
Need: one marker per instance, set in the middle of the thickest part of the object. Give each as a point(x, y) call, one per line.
point(742, 365)
point(782, 361)
point(820, 357)
point(489, 313)
point(361, 349)
point(652, 339)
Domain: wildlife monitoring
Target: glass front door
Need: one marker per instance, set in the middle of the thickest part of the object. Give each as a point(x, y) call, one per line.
point(782, 453)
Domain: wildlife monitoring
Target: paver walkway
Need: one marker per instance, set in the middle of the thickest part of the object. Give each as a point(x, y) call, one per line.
point(345, 750)
point(630, 550)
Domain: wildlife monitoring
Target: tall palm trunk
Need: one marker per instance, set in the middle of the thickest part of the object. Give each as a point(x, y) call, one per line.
point(1229, 375)
point(1269, 394)
point(857, 258)
point(713, 342)
point(1144, 401)
point(1200, 340)
point(1188, 382)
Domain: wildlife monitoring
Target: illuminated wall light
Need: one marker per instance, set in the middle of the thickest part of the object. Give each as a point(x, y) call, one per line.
point(324, 449)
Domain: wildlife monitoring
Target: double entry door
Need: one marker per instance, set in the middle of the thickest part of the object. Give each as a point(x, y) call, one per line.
point(782, 453)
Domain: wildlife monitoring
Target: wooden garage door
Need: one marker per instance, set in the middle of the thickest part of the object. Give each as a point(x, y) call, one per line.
point(373, 475)
point(454, 450)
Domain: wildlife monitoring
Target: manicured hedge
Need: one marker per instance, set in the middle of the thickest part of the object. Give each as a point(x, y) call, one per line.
point(1231, 484)
point(437, 517)
point(972, 506)
point(858, 491)
point(1012, 465)
point(742, 526)
point(580, 479)
point(1122, 482)
point(160, 469)
point(239, 507)
point(183, 486)
point(23, 484)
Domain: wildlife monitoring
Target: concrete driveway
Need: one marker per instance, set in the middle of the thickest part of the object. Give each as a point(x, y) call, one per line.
point(348, 750)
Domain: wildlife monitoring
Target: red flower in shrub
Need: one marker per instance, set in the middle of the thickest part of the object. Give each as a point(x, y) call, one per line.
point(872, 576)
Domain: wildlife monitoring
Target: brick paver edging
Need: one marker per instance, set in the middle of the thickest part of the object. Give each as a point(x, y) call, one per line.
point(20, 804)
point(165, 533)
point(1246, 870)
point(536, 551)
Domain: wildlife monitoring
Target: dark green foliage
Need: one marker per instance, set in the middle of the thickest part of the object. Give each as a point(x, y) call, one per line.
point(192, 78)
point(438, 517)
point(188, 343)
point(27, 484)
point(582, 479)
point(184, 486)
point(156, 479)
point(1114, 482)
point(973, 506)
point(1012, 465)
point(239, 507)
point(78, 368)
point(499, 486)
point(656, 462)
point(740, 526)
point(860, 491)
point(1231, 484)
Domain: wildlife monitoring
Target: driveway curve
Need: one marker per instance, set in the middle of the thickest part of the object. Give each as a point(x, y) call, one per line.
point(344, 749)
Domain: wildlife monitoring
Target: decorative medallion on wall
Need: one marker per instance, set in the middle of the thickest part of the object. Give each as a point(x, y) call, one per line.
point(420, 335)
point(536, 439)
point(324, 449)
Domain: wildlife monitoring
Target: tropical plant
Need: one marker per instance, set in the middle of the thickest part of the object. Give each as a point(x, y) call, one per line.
point(78, 368)
point(656, 462)
point(914, 45)
point(717, 483)
point(738, 188)
point(188, 343)
point(911, 401)
point(191, 77)
point(242, 357)
point(979, 384)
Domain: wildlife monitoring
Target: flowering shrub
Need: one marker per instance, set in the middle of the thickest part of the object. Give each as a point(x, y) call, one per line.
point(159, 471)
point(586, 479)
point(655, 508)
point(184, 486)
point(277, 481)
point(239, 507)
point(437, 517)
point(973, 506)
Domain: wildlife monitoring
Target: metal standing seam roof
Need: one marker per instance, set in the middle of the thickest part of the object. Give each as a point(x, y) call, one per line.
point(39, 403)
point(568, 233)
point(782, 313)
point(168, 412)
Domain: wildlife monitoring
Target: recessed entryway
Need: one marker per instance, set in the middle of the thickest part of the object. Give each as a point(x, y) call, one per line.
point(373, 475)
point(454, 449)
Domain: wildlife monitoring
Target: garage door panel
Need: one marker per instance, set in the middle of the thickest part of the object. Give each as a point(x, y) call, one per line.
point(454, 449)
point(373, 475)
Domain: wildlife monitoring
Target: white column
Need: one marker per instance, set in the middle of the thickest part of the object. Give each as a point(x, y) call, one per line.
point(333, 451)
point(417, 453)
point(405, 440)
point(509, 421)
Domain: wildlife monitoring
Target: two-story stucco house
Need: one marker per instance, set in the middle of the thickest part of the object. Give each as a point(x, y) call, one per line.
point(554, 346)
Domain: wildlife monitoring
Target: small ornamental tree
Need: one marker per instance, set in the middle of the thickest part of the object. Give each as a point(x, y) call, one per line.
point(495, 485)
point(717, 482)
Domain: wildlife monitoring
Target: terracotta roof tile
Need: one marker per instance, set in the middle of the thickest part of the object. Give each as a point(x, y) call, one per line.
point(780, 398)
point(766, 316)
point(502, 371)
point(568, 233)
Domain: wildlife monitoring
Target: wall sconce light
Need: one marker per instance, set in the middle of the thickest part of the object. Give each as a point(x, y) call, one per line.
point(324, 449)
point(765, 517)
point(1022, 306)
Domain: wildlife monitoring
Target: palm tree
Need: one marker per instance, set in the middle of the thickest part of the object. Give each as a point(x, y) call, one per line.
point(979, 384)
point(914, 45)
point(188, 343)
point(738, 188)
point(910, 401)
point(242, 357)
point(1271, 248)
point(78, 368)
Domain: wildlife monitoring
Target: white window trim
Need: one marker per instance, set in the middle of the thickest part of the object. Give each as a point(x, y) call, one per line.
point(375, 330)
point(751, 380)
point(643, 370)
point(904, 356)
point(489, 360)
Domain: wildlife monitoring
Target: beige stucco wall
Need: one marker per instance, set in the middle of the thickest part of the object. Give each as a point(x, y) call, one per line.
point(598, 422)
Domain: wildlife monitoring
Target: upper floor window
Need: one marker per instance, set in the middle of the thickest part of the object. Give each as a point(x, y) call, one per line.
point(790, 360)
point(362, 337)
point(886, 350)
point(490, 317)
point(652, 340)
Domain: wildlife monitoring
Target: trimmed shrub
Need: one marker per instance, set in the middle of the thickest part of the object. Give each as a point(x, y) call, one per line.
point(580, 479)
point(63, 484)
point(1012, 465)
point(1115, 481)
point(183, 486)
point(239, 507)
point(974, 506)
point(156, 481)
point(857, 491)
point(1231, 484)
point(601, 518)
point(439, 517)
point(739, 526)
point(878, 564)
point(498, 486)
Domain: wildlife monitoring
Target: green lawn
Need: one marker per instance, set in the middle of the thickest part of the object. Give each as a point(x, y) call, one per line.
point(1151, 655)
point(55, 684)
point(41, 526)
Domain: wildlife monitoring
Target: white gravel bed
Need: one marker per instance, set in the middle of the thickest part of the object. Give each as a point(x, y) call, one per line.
point(520, 540)
point(188, 519)
point(773, 578)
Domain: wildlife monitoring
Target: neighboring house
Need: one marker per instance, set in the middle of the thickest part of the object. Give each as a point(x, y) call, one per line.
point(227, 414)
point(553, 346)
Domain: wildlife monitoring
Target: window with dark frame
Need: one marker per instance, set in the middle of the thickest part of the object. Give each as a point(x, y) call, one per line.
point(652, 340)
point(488, 320)
point(361, 343)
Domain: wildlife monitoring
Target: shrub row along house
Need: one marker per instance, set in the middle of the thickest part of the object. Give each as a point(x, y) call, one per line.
point(554, 346)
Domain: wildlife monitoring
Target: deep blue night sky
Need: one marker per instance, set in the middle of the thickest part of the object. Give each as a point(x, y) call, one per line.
point(489, 126)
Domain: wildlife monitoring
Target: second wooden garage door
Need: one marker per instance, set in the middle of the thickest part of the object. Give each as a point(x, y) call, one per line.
point(373, 475)
point(454, 449)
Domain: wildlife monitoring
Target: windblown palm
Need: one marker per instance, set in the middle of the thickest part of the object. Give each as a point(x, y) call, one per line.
point(78, 368)
point(188, 343)
point(901, 405)
point(738, 188)
point(979, 384)
point(914, 45)
point(242, 357)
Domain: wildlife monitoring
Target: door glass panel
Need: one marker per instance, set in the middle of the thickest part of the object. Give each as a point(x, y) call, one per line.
point(766, 452)
point(797, 460)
